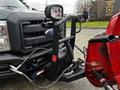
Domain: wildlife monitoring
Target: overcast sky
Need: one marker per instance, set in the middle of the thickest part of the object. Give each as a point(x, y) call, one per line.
point(68, 5)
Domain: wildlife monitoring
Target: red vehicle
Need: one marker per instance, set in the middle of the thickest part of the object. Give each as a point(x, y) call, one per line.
point(103, 56)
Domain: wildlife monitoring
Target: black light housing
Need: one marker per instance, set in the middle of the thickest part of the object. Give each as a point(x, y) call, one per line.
point(54, 12)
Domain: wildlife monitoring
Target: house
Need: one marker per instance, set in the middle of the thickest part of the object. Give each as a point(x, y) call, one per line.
point(104, 9)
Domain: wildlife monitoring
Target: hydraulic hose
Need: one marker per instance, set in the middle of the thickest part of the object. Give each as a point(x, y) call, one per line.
point(14, 69)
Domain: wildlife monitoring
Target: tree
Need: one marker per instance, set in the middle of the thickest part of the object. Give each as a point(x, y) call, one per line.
point(82, 5)
point(78, 7)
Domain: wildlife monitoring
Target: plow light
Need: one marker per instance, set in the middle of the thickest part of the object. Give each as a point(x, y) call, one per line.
point(54, 12)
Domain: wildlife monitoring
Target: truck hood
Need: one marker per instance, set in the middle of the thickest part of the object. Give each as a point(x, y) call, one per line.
point(4, 12)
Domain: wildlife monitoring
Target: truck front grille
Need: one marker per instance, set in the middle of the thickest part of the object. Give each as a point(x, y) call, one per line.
point(33, 35)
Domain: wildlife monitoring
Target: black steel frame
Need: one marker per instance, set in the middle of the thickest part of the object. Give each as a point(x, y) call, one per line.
point(56, 40)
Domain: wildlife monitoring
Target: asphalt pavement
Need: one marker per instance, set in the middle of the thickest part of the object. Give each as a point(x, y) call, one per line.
point(20, 83)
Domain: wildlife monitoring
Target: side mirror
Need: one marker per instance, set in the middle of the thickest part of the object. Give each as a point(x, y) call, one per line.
point(54, 12)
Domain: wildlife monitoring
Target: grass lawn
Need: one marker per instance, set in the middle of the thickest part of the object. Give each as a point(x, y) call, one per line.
point(93, 24)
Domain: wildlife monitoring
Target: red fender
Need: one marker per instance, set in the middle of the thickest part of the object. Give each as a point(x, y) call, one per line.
point(114, 48)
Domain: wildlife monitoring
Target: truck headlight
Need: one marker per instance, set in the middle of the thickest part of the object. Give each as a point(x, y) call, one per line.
point(4, 37)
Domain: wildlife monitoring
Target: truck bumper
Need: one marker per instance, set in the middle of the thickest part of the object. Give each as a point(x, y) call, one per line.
point(8, 59)
point(5, 61)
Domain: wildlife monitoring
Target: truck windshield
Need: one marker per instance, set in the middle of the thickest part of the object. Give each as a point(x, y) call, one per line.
point(12, 4)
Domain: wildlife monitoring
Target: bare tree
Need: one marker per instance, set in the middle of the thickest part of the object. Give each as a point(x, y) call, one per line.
point(79, 6)
point(82, 5)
